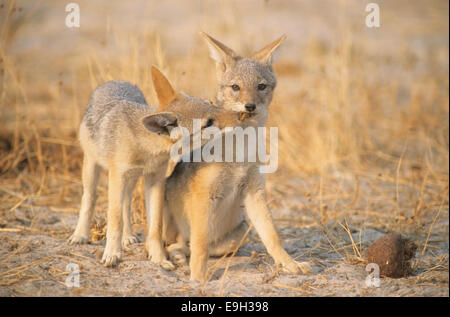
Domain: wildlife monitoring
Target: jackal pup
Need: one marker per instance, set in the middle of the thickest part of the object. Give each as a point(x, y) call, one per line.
point(205, 201)
point(121, 133)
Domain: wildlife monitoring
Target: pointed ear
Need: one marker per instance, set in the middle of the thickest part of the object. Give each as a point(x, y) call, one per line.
point(220, 53)
point(160, 123)
point(264, 56)
point(164, 90)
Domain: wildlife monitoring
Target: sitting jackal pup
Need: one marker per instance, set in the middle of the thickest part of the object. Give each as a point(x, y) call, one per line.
point(203, 200)
point(124, 135)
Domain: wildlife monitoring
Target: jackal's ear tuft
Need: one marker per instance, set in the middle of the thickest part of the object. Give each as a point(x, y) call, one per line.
point(265, 55)
point(220, 53)
point(161, 122)
point(164, 90)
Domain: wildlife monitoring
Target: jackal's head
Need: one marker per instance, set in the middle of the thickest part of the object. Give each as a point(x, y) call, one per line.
point(246, 85)
point(177, 109)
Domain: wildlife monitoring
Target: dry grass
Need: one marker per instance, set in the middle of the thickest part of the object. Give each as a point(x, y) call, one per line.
point(363, 120)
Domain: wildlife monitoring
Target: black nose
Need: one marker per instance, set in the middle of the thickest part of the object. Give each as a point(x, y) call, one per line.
point(250, 107)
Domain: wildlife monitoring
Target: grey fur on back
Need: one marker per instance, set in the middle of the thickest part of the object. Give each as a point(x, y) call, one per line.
point(121, 90)
point(105, 97)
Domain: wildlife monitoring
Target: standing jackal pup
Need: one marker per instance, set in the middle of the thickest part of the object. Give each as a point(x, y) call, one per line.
point(205, 200)
point(124, 135)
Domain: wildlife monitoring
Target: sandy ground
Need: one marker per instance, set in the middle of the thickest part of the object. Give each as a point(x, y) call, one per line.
point(33, 262)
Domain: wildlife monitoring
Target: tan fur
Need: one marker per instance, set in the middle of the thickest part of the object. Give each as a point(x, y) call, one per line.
point(206, 200)
point(166, 93)
point(125, 136)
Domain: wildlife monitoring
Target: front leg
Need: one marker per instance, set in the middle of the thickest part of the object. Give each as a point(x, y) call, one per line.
point(116, 192)
point(200, 208)
point(259, 214)
point(154, 204)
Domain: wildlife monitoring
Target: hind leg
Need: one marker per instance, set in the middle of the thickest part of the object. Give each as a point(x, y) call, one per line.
point(178, 251)
point(176, 245)
point(90, 175)
point(228, 244)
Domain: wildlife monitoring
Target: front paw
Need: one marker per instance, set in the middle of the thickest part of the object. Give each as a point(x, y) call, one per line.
point(77, 239)
point(161, 261)
point(294, 267)
point(157, 255)
point(111, 257)
point(198, 276)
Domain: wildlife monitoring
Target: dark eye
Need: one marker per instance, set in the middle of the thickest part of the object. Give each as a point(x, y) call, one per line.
point(235, 87)
point(209, 123)
point(262, 86)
